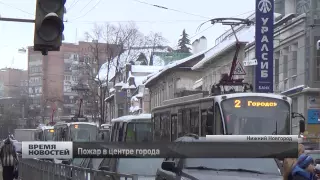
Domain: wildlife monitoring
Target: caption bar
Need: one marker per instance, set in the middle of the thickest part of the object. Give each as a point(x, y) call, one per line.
point(47, 150)
point(210, 147)
point(252, 138)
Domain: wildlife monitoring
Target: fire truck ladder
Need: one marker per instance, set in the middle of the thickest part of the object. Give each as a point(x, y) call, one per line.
point(227, 79)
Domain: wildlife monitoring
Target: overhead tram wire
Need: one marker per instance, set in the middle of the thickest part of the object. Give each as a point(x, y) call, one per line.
point(16, 8)
point(138, 21)
point(166, 8)
point(73, 4)
point(86, 5)
point(87, 11)
point(199, 32)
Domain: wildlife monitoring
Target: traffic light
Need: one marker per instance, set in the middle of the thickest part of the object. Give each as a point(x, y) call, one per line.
point(48, 31)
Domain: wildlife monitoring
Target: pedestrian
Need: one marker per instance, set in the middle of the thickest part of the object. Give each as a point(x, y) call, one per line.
point(304, 169)
point(9, 159)
point(288, 164)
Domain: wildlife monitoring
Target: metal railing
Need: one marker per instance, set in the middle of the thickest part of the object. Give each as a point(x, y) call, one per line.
point(45, 170)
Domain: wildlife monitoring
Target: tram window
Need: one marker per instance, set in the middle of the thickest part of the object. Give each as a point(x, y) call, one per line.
point(115, 131)
point(130, 132)
point(203, 122)
point(180, 124)
point(165, 127)
point(218, 120)
point(186, 121)
point(174, 127)
point(157, 127)
point(194, 124)
point(120, 135)
point(210, 122)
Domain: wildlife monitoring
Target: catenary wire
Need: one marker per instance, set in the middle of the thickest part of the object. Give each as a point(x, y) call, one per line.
point(16, 8)
point(73, 4)
point(170, 9)
point(87, 11)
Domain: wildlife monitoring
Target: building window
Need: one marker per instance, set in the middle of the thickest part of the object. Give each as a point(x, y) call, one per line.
point(302, 6)
point(67, 78)
point(285, 66)
point(294, 62)
point(276, 68)
point(279, 6)
point(318, 66)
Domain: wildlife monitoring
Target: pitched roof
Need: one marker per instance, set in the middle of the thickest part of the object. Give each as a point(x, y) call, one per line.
point(173, 65)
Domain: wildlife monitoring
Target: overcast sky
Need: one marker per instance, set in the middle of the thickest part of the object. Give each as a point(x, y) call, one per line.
point(82, 14)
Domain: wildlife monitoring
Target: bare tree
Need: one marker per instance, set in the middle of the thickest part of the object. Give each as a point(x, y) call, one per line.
point(154, 41)
point(111, 47)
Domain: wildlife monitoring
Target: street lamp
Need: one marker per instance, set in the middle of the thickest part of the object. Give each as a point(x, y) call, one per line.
point(22, 50)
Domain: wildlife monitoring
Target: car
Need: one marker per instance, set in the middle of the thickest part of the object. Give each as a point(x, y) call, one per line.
point(218, 168)
point(315, 154)
point(144, 168)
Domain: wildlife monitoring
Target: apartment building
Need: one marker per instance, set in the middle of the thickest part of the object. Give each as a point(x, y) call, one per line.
point(52, 78)
point(13, 82)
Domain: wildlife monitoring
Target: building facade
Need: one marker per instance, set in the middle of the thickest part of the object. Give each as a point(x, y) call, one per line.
point(296, 62)
point(52, 78)
point(13, 82)
point(176, 79)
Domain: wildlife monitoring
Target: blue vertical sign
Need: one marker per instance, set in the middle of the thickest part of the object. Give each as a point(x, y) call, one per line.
point(264, 46)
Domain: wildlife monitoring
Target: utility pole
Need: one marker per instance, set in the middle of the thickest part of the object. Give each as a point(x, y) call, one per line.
point(44, 86)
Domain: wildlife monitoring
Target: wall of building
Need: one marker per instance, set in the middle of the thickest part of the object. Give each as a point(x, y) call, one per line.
point(13, 82)
point(211, 74)
point(170, 83)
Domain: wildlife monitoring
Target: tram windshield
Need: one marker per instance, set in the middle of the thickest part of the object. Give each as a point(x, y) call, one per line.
point(139, 132)
point(48, 133)
point(84, 132)
point(256, 115)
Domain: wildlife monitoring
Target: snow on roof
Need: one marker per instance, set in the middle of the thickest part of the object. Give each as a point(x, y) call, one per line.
point(139, 95)
point(119, 84)
point(158, 61)
point(132, 54)
point(106, 72)
point(138, 80)
point(145, 69)
point(174, 64)
point(198, 83)
point(111, 90)
point(245, 35)
point(293, 88)
point(132, 117)
point(6, 98)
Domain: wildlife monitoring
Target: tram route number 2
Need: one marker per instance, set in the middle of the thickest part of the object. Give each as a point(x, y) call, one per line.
point(237, 103)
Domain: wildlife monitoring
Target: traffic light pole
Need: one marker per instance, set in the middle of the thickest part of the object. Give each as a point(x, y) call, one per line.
point(17, 20)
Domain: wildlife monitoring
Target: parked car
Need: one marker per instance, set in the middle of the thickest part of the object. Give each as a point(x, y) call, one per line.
point(144, 168)
point(218, 168)
point(315, 154)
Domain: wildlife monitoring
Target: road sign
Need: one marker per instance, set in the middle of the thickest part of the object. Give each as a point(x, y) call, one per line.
point(238, 70)
point(252, 62)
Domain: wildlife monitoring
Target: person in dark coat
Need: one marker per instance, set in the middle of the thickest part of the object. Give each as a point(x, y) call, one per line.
point(9, 159)
point(304, 169)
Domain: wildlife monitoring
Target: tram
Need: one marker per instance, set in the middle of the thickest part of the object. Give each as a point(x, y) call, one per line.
point(243, 113)
point(76, 131)
point(104, 132)
point(44, 133)
point(132, 128)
